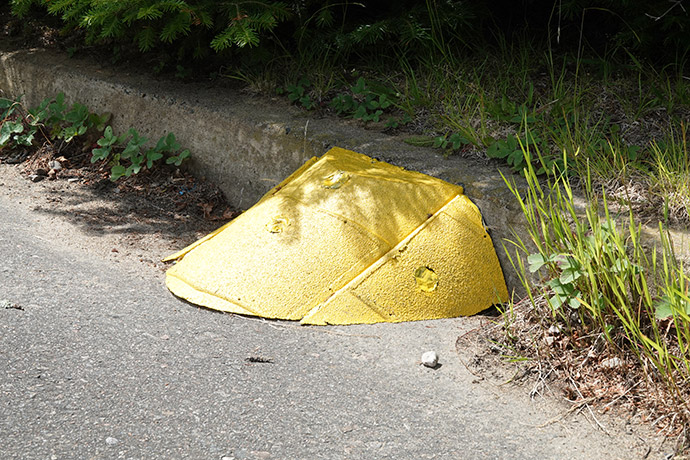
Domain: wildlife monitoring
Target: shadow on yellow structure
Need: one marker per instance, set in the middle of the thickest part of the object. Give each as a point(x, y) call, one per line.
point(347, 239)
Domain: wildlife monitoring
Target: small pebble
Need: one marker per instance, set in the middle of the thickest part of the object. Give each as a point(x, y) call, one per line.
point(430, 359)
point(111, 441)
point(612, 363)
point(554, 330)
point(36, 178)
point(55, 165)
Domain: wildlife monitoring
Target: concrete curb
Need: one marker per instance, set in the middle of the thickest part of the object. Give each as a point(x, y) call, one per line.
point(244, 144)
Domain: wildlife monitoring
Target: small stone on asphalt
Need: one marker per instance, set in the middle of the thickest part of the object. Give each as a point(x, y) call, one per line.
point(430, 359)
point(111, 441)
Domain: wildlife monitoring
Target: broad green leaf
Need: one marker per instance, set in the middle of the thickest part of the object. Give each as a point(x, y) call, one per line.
point(100, 154)
point(361, 112)
point(152, 156)
point(5, 103)
point(8, 129)
point(516, 158)
point(26, 139)
point(498, 149)
point(133, 169)
point(536, 261)
point(564, 290)
point(556, 302)
point(360, 86)
point(116, 172)
point(131, 150)
point(663, 308)
point(666, 307)
point(570, 275)
point(108, 133)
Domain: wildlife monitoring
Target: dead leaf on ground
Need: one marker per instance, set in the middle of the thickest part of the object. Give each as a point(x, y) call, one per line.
point(206, 208)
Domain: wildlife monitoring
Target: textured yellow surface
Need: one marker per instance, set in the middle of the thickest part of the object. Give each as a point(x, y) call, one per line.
point(347, 239)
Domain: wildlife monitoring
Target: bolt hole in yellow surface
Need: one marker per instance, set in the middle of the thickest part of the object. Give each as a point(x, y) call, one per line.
point(347, 239)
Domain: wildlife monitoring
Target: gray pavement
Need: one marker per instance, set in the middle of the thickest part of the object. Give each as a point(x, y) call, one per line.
point(102, 362)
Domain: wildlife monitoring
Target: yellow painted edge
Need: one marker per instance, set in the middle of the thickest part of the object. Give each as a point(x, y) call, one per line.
point(183, 290)
point(353, 302)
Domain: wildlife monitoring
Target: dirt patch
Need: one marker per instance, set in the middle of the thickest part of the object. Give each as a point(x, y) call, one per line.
point(146, 216)
point(526, 348)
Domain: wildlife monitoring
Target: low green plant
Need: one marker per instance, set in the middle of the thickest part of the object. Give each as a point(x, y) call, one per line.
point(453, 142)
point(509, 150)
point(517, 150)
point(126, 153)
point(397, 122)
point(366, 101)
point(52, 117)
point(599, 281)
point(299, 93)
point(14, 132)
point(507, 110)
point(127, 156)
point(50, 112)
point(78, 120)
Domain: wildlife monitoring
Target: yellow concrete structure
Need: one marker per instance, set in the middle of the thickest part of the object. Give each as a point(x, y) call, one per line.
point(347, 239)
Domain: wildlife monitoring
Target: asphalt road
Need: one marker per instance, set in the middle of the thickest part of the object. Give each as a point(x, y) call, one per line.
point(100, 361)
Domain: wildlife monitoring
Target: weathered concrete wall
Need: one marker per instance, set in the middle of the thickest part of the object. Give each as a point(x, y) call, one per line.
point(244, 144)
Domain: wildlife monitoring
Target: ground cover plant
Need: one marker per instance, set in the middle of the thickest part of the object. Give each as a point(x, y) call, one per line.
point(54, 122)
point(581, 98)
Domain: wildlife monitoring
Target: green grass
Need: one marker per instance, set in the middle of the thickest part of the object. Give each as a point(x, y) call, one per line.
point(489, 100)
point(670, 171)
point(600, 284)
point(610, 119)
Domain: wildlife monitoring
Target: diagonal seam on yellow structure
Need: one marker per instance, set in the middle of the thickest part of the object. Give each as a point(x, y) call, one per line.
point(376, 264)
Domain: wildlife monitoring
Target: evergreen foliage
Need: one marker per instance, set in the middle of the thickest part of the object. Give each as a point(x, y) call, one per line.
point(657, 29)
point(203, 25)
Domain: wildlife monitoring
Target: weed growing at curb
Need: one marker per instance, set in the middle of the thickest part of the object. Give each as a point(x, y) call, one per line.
point(603, 302)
